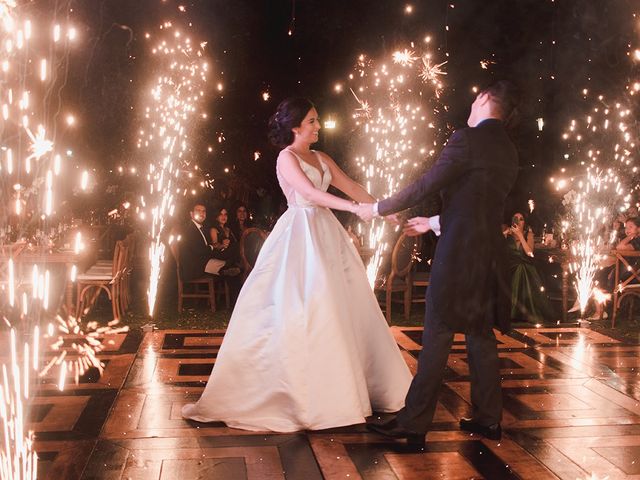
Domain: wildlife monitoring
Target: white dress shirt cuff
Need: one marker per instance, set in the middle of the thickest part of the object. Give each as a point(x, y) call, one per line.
point(434, 223)
point(375, 210)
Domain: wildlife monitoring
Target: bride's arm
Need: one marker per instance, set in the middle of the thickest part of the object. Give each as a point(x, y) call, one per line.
point(293, 174)
point(344, 183)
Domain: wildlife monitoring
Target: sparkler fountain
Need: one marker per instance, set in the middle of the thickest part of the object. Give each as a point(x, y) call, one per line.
point(603, 147)
point(164, 141)
point(33, 61)
point(398, 101)
point(29, 174)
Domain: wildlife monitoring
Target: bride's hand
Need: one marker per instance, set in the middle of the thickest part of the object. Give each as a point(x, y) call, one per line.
point(365, 211)
point(416, 226)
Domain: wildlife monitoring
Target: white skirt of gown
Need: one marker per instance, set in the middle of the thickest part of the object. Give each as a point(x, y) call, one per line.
point(307, 347)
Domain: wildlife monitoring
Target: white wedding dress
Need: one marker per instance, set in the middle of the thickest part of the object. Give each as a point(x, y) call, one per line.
point(307, 347)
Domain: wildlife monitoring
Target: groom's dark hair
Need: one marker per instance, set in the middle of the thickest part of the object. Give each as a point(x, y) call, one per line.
point(505, 97)
point(289, 114)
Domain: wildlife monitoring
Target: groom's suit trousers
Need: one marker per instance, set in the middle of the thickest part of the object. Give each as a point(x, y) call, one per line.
point(484, 371)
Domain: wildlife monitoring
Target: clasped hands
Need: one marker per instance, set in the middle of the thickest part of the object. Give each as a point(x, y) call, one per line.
point(413, 227)
point(223, 245)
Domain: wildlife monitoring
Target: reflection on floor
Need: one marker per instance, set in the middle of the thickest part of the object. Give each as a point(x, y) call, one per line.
point(572, 411)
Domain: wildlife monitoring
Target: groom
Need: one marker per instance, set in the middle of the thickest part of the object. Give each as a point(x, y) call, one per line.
point(469, 292)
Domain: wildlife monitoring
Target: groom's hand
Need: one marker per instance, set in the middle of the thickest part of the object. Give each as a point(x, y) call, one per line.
point(393, 219)
point(365, 211)
point(416, 226)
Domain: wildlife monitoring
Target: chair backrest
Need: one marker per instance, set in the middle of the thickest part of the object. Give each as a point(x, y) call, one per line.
point(12, 250)
point(404, 254)
point(8, 252)
point(120, 257)
point(626, 261)
point(175, 251)
point(250, 244)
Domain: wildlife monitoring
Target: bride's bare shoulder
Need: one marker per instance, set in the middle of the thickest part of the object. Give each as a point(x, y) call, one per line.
point(286, 155)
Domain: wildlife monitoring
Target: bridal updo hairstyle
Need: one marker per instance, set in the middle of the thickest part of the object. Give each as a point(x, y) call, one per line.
point(289, 114)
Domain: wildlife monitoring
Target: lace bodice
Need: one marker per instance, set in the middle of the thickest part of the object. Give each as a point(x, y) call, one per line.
point(320, 181)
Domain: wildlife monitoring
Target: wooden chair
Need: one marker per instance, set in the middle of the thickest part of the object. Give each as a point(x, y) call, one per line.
point(251, 242)
point(109, 282)
point(630, 286)
point(8, 252)
point(364, 252)
point(399, 279)
point(105, 266)
point(12, 249)
point(354, 238)
point(128, 269)
point(224, 283)
point(207, 281)
point(419, 280)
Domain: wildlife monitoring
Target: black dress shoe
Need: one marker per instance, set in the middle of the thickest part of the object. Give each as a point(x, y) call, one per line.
point(392, 429)
point(492, 432)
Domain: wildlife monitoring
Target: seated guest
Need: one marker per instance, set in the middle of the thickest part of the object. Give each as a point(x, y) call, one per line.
point(197, 255)
point(241, 222)
point(604, 278)
point(617, 230)
point(528, 301)
point(610, 236)
point(631, 241)
point(224, 242)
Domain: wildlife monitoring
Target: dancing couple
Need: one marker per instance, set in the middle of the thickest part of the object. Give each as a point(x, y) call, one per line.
point(307, 347)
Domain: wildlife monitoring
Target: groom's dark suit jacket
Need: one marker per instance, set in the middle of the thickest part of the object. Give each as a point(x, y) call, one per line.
point(469, 287)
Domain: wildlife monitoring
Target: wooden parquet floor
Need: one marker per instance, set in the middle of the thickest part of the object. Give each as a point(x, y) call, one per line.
point(572, 411)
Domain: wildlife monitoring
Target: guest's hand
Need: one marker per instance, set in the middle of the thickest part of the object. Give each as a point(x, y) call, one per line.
point(226, 242)
point(515, 231)
point(365, 211)
point(416, 226)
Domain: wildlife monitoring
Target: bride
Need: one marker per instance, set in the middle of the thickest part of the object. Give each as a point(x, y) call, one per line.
point(307, 347)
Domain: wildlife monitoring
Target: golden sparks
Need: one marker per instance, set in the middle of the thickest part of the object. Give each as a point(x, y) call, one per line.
point(395, 117)
point(171, 109)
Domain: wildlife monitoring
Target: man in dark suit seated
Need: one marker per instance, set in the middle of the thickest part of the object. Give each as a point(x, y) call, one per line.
point(470, 288)
point(197, 255)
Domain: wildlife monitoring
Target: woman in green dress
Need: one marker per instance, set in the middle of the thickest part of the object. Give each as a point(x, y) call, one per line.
point(528, 300)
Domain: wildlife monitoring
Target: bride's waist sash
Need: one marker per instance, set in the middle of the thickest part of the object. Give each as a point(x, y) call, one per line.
point(306, 207)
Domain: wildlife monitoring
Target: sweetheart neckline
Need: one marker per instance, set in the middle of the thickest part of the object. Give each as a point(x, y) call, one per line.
point(322, 164)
